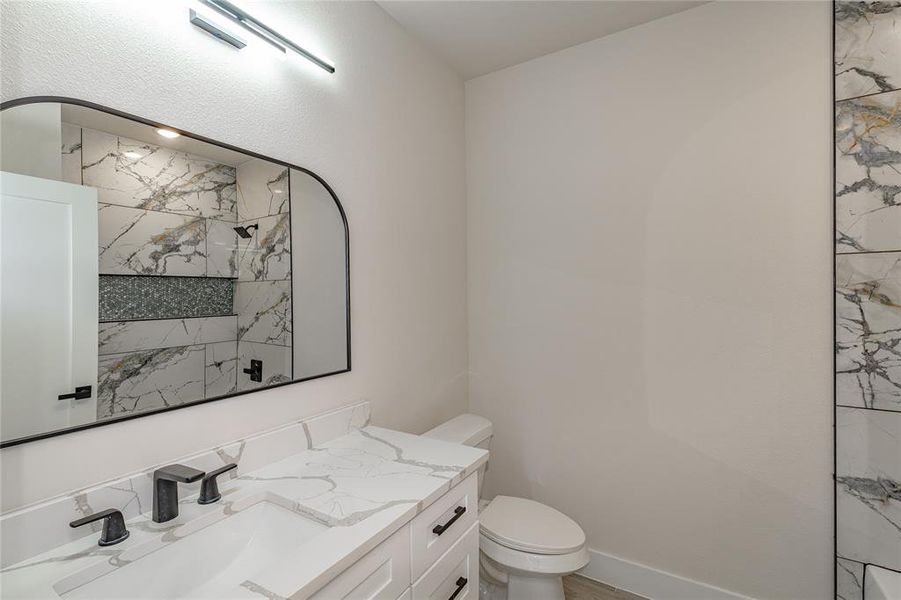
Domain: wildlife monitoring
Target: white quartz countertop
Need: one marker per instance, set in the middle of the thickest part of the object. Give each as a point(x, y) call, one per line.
point(363, 486)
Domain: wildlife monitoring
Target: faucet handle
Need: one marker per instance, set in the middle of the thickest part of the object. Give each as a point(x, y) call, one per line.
point(114, 530)
point(209, 487)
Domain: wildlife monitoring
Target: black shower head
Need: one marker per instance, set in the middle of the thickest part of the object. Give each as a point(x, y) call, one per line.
point(244, 232)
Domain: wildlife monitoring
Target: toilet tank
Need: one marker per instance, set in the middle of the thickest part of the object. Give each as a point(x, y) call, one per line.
point(469, 430)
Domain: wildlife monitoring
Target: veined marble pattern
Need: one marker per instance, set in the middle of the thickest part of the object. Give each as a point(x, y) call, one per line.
point(221, 369)
point(868, 172)
point(868, 330)
point(141, 175)
point(868, 482)
point(144, 242)
point(850, 580)
point(266, 256)
point(127, 336)
point(71, 153)
point(147, 379)
point(264, 311)
point(263, 189)
point(222, 249)
point(25, 532)
point(867, 55)
point(277, 364)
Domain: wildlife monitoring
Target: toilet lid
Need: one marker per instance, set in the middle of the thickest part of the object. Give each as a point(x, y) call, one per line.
point(530, 526)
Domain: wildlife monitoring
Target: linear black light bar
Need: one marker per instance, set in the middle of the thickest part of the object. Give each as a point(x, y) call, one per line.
point(264, 32)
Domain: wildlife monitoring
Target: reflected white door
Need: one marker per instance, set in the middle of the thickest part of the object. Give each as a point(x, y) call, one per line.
point(48, 304)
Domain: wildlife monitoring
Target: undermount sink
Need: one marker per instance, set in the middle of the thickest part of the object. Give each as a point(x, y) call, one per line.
point(206, 561)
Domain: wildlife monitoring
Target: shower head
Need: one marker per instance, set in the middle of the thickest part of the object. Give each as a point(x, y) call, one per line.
point(244, 232)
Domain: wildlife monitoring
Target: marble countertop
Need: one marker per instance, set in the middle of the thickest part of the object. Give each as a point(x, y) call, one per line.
point(363, 486)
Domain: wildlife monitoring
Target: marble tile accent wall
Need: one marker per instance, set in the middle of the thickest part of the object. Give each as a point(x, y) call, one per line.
point(867, 55)
point(868, 290)
point(263, 293)
point(868, 173)
point(149, 177)
point(34, 529)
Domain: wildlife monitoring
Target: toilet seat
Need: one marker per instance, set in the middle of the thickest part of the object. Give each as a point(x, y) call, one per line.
point(532, 564)
point(530, 527)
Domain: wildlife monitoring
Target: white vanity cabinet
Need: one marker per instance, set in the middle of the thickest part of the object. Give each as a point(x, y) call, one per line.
point(417, 562)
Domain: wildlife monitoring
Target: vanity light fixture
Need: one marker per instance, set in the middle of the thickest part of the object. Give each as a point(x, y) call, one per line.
point(264, 32)
point(215, 31)
point(168, 133)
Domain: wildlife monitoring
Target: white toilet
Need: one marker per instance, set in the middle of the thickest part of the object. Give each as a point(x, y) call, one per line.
point(524, 545)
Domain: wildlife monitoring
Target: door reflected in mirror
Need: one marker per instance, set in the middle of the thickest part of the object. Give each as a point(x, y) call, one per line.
point(143, 272)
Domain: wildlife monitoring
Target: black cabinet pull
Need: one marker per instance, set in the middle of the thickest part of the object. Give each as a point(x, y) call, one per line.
point(461, 583)
point(80, 393)
point(114, 530)
point(458, 512)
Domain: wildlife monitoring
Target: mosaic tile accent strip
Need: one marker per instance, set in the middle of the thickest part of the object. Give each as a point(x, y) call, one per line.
point(129, 298)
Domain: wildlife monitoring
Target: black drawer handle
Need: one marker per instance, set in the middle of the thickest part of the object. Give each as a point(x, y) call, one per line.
point(461, 583)
point(439, 529)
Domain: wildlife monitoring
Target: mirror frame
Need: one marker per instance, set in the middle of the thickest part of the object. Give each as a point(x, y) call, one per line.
point(155, 124)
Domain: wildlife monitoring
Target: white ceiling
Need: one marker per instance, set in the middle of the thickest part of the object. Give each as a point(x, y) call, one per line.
point(483, 36)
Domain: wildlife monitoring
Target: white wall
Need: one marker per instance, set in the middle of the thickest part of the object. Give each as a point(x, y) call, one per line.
point(30, 139)
point(386, 131)
point(649, 291)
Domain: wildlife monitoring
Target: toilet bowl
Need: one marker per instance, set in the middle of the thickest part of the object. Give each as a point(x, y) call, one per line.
point(525, 547)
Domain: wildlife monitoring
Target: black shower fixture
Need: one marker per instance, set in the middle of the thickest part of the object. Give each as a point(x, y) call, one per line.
point(244, 232)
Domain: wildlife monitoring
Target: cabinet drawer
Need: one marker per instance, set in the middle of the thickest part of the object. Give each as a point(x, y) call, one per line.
point(382, 574)
point(425, 544)
point(456, 574)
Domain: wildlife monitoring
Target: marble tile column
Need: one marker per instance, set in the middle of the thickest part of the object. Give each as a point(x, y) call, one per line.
point(868, 291)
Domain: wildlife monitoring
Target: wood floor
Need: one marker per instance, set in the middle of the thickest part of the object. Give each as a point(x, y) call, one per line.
point(580, 588)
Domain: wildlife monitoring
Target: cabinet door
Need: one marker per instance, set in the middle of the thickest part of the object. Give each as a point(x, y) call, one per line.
point(456, 574)
point(48, 304)
point(383, 574)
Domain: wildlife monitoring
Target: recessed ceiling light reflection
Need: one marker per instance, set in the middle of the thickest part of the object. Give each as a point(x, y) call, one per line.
point(168, 133)
point(134, 155)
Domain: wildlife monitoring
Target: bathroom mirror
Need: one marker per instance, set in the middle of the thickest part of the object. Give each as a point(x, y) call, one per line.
point(145, 269)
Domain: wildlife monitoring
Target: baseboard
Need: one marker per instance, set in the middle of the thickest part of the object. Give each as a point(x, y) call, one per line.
point(649, 582)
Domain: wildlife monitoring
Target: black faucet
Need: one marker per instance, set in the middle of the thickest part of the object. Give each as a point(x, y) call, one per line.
point(165, 490)
point(114, 530)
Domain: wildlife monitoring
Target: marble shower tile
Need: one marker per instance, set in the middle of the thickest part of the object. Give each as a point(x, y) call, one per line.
point(867, 51)
point(148, 379)
point(71, 150)
point(868, 173)
point(221, 368)
point(262, 189)
point(868, 330)
point(850, 580)
point(144, 242)
point(264, 311)
point(266, 256)
point(142, 175)
point(128, 336)
point(221, 248)
point(868, 486)
point(276, 364)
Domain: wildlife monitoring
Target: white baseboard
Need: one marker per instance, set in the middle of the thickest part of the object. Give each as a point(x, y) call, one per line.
point(649, 582)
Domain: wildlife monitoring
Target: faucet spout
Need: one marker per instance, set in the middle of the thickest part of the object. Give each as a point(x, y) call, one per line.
point(165, 489)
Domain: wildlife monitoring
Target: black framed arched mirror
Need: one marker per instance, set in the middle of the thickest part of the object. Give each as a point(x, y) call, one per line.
point(144, 268)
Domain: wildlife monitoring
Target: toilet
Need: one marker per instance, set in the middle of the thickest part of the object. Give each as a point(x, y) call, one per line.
point(524, 546)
